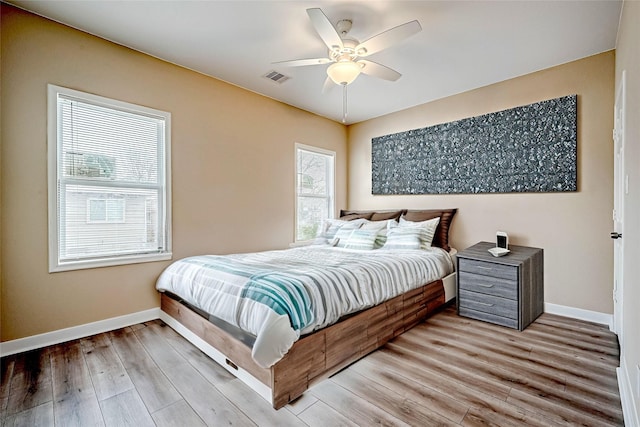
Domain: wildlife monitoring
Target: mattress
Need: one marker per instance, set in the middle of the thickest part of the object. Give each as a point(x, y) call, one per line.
point(277, 296)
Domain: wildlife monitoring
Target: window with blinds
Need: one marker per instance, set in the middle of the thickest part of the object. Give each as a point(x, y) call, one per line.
point(109, 182)
point(314, 189)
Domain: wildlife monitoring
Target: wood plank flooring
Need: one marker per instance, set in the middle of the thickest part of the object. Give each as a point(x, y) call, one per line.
point(447, 371)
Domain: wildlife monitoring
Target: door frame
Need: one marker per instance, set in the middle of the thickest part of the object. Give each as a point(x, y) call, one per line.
point(620, 188)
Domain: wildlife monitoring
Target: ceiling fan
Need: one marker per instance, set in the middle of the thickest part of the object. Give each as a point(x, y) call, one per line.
point(346, 53)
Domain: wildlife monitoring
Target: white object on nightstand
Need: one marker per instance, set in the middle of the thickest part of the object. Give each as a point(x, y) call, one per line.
point(498, 251)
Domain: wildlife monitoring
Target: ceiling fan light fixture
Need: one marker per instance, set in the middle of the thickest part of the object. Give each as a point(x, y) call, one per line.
point(344, 72)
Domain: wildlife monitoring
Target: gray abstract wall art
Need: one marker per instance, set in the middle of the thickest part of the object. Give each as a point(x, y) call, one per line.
point(532, 148)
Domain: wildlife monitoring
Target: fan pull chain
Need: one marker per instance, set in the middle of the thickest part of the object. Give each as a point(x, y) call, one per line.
point(344, 103)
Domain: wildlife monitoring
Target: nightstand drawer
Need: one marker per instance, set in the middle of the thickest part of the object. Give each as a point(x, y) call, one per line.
point(488, 269)
point(488, 285)
point(488, 304)
point(488, 317)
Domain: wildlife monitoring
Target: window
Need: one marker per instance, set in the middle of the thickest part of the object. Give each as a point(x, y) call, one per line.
point(109, 182)
point(105, 210)
point(314, 189)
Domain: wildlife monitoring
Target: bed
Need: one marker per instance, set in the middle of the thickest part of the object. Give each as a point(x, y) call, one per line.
point(282, 320)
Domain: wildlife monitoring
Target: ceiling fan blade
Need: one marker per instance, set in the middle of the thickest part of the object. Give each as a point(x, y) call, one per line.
point(325, 30)
point(303, 62)
point(328, 85)
point(388, 38)
point(378, 70)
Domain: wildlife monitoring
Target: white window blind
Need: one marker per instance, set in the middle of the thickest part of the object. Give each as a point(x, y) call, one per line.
point(108, 181)
point(105, 210)
point(314, 189)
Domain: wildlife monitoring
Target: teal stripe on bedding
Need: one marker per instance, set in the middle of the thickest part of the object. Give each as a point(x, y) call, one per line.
point(283, 294)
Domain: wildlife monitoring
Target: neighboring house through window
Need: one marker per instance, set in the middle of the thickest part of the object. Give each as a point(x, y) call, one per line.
point(314, 189)
point(109, 182)
point(105, 210)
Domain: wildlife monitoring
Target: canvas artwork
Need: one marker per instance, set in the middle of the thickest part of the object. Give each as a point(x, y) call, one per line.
point(532, 148)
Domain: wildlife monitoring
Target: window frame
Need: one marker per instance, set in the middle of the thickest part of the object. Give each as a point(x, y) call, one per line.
point(331, 185)
point(55, 162)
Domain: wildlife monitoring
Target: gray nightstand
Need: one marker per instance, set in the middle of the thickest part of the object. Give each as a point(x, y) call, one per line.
point(506, 290)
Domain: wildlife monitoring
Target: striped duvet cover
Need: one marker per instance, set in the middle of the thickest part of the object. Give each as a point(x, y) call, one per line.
point(280, 295)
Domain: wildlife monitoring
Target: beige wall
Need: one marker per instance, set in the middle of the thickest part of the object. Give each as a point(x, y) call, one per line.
point(573, 228)
point(628, 59)
point(232, 160)
point(233, 152)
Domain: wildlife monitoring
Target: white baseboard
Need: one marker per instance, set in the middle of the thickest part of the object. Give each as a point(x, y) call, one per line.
point(75, 332)
point(629, 408)
point(578, 313)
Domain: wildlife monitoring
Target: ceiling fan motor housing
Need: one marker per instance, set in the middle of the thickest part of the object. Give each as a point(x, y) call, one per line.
point(348, 51)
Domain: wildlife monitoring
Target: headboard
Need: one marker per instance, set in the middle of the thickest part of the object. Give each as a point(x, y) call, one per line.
point(441, 238)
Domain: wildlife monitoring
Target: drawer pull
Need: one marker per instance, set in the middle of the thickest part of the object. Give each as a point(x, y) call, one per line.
point(484, 268)
point(485, 286)
point(484, 303)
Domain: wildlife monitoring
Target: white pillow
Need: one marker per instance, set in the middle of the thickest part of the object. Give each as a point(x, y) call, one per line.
point(381, 227)
point(330, 227)
point(344, 231)
point(403, 238)
point(374, 225)
point(361, 239)
point(427, 227)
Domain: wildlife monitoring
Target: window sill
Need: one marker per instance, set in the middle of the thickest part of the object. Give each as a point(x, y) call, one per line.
point(55, 267)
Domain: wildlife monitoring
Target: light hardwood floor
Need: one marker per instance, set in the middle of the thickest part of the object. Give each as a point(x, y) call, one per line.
point(448, 370)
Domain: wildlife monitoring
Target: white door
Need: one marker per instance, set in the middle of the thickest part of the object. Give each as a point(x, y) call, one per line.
point(620, 188)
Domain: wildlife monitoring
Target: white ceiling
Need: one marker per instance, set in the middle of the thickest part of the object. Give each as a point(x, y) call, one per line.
point(463, 44)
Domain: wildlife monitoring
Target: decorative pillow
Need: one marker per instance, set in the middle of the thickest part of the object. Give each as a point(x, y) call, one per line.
point(361, 239)
point(344, 232)
point(330, 227)
point(427, 230)
point(441, 238)
point(343, 235)
point(403, 238)
point(381, 228)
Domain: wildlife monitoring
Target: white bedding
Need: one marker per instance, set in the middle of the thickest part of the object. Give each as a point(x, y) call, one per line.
point(280, 295)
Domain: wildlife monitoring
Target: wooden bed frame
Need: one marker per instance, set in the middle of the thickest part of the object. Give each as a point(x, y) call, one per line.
point(315, 356)
point(321, 354)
